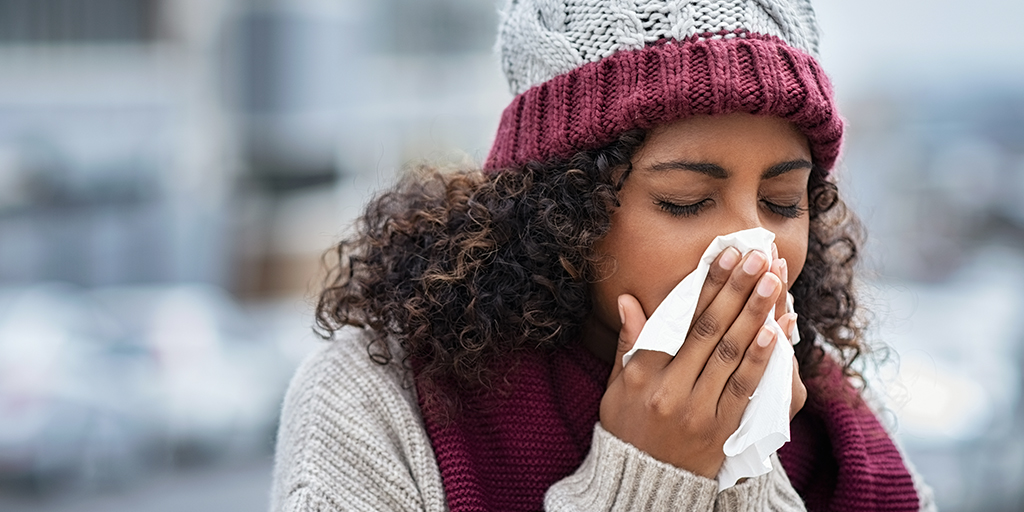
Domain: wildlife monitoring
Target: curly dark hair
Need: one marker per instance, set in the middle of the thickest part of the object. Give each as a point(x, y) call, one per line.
point(463, 269)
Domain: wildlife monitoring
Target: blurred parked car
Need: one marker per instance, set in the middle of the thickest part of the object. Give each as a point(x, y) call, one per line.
point(217, 379)
point(96, 384)
point(73, 394)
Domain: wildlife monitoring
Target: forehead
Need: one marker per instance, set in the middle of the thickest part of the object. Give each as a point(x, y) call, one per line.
point(736, 139)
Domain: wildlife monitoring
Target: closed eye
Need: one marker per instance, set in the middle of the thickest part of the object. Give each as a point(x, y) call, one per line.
point(787, 211)
point(683, 210)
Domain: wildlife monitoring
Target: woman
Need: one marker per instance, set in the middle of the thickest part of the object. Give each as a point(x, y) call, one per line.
point(482, 317)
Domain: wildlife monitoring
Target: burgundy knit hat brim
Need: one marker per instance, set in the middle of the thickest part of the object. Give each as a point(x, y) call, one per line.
point(593, 104)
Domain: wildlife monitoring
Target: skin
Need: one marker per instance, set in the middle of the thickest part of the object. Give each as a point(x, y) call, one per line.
point(693, 180)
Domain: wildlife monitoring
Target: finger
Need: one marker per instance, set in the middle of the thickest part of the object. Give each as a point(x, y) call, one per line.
point(799, 391)
point(718, 274)
point(742, 383)
point(780, 268)
point(788, 324)
point(631, 314)
point(729, 352)
point(709, 327)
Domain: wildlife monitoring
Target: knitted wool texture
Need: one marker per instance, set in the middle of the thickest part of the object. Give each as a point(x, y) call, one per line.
point(865, 470)
point(585, 71)
point(509, 446)
point(505, 450)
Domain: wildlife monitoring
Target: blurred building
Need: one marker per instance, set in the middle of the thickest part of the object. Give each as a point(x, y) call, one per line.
point(157, 153)
point(937, 178)
point(334, 97)
point(117, 157)
point(222, 141)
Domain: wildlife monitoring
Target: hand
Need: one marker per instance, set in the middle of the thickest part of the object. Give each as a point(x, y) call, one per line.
point(681, 409)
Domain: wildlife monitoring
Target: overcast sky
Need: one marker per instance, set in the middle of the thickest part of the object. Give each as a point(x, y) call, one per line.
point(921, 44)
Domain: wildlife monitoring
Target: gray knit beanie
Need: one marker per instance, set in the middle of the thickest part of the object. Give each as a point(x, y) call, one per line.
point(584, 71)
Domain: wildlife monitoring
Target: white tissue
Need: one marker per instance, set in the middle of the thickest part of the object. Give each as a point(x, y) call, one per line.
point(764, 427)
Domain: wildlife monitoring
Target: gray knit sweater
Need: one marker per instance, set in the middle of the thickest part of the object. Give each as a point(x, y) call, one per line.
point(351, 438)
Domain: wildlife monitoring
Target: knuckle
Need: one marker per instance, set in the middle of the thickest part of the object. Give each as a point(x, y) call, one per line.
point(727, 351)
point(738, 387)
point(705, 327)
point(758, 305)
point(623, 345)
point(660, 403)
point(740, 286)
point(717, 277)
point(758, 357)
point(633, 375)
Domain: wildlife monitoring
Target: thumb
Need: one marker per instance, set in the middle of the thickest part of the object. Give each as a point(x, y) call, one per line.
point(633, 319)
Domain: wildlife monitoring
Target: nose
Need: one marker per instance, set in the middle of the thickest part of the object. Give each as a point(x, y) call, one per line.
point(745, 216)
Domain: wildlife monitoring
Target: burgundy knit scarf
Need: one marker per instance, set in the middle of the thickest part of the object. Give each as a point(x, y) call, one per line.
point(505, 449)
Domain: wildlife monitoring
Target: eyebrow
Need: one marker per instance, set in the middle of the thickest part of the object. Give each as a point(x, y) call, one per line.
point(718, 172)
point(712, 170)
point(784, 167)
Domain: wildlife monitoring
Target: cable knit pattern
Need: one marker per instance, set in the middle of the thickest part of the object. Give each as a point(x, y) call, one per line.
point(540, 39)
point(585, 71)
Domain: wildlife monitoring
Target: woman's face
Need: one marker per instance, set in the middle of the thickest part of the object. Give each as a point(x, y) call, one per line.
point(691, 181)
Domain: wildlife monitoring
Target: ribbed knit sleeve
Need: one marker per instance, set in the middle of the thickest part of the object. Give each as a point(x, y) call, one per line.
point(351, 438)
point(616, 476)
point(772, 491)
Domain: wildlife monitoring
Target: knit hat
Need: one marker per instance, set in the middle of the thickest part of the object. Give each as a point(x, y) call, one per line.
point(584, 71)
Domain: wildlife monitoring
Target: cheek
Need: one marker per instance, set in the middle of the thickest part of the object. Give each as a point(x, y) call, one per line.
point(645, 257)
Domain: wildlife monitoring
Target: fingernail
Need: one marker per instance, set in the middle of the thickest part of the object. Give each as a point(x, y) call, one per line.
point(766, 286)
point(729, 258)
point(622, 314)
point(788, 317)
point(775, 251)
point(754, 262)
point(794, 331)
point(785, 271)
point(764, 337)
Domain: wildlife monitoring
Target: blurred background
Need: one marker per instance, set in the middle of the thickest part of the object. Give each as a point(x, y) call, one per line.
point(171, 172)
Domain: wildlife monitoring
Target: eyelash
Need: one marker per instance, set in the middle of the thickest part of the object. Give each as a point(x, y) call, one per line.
point(789, 212)
point(689, 210)
point(683, 210)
